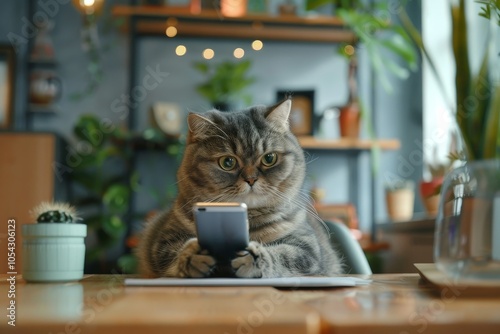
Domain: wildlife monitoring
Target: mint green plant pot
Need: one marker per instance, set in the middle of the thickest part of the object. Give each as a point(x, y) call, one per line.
point(53, 252)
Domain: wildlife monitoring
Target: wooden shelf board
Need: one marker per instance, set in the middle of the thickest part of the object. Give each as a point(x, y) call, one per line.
point(165, 12)
point(43, 109)
point(153, 21)
point(309, 142)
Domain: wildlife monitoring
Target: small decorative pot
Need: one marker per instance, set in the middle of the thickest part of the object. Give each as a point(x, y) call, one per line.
point(400, 204)
point(429, 195)
point(53, 252)
point(349, 121)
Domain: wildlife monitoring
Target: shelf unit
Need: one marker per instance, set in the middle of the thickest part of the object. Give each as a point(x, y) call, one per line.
point(45, 63)
point(147, 21)
point(313, 143)
point(153, 20)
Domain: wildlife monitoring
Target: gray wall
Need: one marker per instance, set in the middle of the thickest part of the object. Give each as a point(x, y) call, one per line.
point(279, 65)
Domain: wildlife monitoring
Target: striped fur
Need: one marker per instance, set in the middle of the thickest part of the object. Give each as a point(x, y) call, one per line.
point(285, 241)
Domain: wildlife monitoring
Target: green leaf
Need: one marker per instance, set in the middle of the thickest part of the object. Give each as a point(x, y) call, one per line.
point(402, 48)
point(113, 226)
point(480, 96)
point(135, 181)
point(463, 77)
point(377, 62)
point(491, 149)
point(116, 198)
point(88, 129)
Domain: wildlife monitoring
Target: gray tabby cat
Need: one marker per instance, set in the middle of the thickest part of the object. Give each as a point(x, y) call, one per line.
point(252, 157)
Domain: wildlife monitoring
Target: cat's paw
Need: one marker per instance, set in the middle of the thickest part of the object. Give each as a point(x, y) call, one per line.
point(193, 261)
point(249, 263)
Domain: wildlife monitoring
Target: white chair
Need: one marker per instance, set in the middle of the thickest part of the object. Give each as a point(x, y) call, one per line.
point(353, 257)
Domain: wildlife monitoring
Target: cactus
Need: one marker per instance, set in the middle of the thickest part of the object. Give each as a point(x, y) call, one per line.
point(55, 212)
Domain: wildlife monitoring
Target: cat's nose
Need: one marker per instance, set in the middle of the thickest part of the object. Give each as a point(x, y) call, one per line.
point(249, 174)
point(250, 180)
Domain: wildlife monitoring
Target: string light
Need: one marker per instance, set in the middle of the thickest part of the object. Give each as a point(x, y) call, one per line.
point(239, 53)
point(208, 53)
point(180, 50)
point(171, 31)
point(257, 45)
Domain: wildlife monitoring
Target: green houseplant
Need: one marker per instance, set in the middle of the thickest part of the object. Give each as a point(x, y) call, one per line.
point(102, 185)
point(104, 179)
point(477, 104)
point(466, 242)
point(379, 34)
point(225, 82)
point(54, 248)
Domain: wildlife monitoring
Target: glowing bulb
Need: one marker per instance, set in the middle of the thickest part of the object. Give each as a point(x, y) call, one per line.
point(180, 50)
point(349, 50)
point(257, 45)
point(171, 31)
point(239, 53)
point(87, 3)
point(208, 53)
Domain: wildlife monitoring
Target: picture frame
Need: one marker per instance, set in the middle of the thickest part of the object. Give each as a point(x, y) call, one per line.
point(343, 212)
point(7, 85)
point(302, 119)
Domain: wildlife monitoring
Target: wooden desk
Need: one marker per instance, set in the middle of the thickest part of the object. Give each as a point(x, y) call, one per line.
point(101, 304)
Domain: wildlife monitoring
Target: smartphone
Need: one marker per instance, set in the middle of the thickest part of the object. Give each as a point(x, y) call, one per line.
point(222, 228)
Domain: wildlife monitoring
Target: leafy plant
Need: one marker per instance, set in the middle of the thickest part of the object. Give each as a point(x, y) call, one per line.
point(477, 113)
point(226, 81)
point(105, 178)
point(104, 195)
point(378, 33)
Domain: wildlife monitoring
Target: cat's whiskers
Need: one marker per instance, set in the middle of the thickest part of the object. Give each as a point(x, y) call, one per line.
point(306, 197)
point(309, 157)
point(302, 202)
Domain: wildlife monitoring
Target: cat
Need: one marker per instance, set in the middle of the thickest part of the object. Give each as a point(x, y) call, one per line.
point(247, 156)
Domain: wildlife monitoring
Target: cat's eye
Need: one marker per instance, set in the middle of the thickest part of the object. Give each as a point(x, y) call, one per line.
point(269, 159)
point(227, 162)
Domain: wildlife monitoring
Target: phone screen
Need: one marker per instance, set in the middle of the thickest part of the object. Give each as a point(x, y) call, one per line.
point(222, 228)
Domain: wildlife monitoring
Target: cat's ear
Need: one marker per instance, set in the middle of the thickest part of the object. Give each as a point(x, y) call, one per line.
point(278, 115)
point(198, 127)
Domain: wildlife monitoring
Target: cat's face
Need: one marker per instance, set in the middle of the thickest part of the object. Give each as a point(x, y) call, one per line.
point(248, 156)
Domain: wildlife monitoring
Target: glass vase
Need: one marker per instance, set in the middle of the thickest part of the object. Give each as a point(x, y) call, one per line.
point(467, 236)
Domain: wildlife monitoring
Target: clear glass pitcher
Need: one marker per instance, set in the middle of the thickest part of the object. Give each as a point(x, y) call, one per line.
point(467, 237)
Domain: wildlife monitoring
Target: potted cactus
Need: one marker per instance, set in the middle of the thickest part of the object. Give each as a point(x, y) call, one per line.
point(53, 247)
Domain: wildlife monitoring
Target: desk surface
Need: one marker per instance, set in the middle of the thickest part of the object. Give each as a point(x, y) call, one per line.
point(398, 303)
